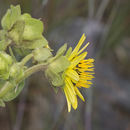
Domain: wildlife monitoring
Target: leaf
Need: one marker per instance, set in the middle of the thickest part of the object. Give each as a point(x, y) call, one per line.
point(69, 51)
point(62, 50)
point(14, 92)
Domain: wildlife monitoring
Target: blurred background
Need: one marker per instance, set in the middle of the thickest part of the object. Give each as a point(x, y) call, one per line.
point(107, 107)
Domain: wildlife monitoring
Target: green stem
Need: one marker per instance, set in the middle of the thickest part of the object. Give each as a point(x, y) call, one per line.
point(32, 70)
point(8, 86)
point(26, 59)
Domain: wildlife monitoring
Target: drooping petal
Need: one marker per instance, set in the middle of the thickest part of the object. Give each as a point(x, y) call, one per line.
point(68, 102)
point(70, 85)
point(70, 93)
point(79, 94)
point(75, 103)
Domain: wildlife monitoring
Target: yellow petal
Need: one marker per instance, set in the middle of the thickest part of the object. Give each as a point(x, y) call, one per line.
point(70, 85)
point(76, 60)
point(79, 94)
point(72, 97)
point(75, 104)
point(82, 85)
point(72, 74)
point(68, 102)
point(70, 93)
point(75, 51)
point(83, 48)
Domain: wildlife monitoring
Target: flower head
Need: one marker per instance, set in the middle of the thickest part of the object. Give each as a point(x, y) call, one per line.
point(78, 74)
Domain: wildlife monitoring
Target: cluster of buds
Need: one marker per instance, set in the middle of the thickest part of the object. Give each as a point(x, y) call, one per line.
point(21, 36)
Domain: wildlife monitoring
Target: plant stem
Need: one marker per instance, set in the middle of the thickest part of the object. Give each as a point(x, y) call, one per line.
point(8, 85)
point(26, 59)
point(33, 70)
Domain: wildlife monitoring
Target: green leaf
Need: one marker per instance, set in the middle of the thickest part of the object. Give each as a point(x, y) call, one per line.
point(62, 50)
point(10, 17)
point(14, 92)
point(68, 52)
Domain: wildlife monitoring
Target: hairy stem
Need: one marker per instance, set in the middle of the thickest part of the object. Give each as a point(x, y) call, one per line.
point(26, 59)
point(8, 86)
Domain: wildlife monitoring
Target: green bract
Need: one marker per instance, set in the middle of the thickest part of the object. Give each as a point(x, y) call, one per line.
point(41, 54)
point(55, 70)
point(5, 63)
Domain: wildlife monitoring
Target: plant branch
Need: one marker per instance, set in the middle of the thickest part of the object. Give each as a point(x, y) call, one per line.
point(8, 85)
point(26, 59)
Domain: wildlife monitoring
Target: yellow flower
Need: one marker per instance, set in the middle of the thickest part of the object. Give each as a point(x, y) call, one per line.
point(78, 74)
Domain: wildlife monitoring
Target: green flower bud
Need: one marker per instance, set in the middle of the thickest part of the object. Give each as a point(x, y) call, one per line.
point(5, 63)
point(41, 54)
point(10, 17)
point(33, 27)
